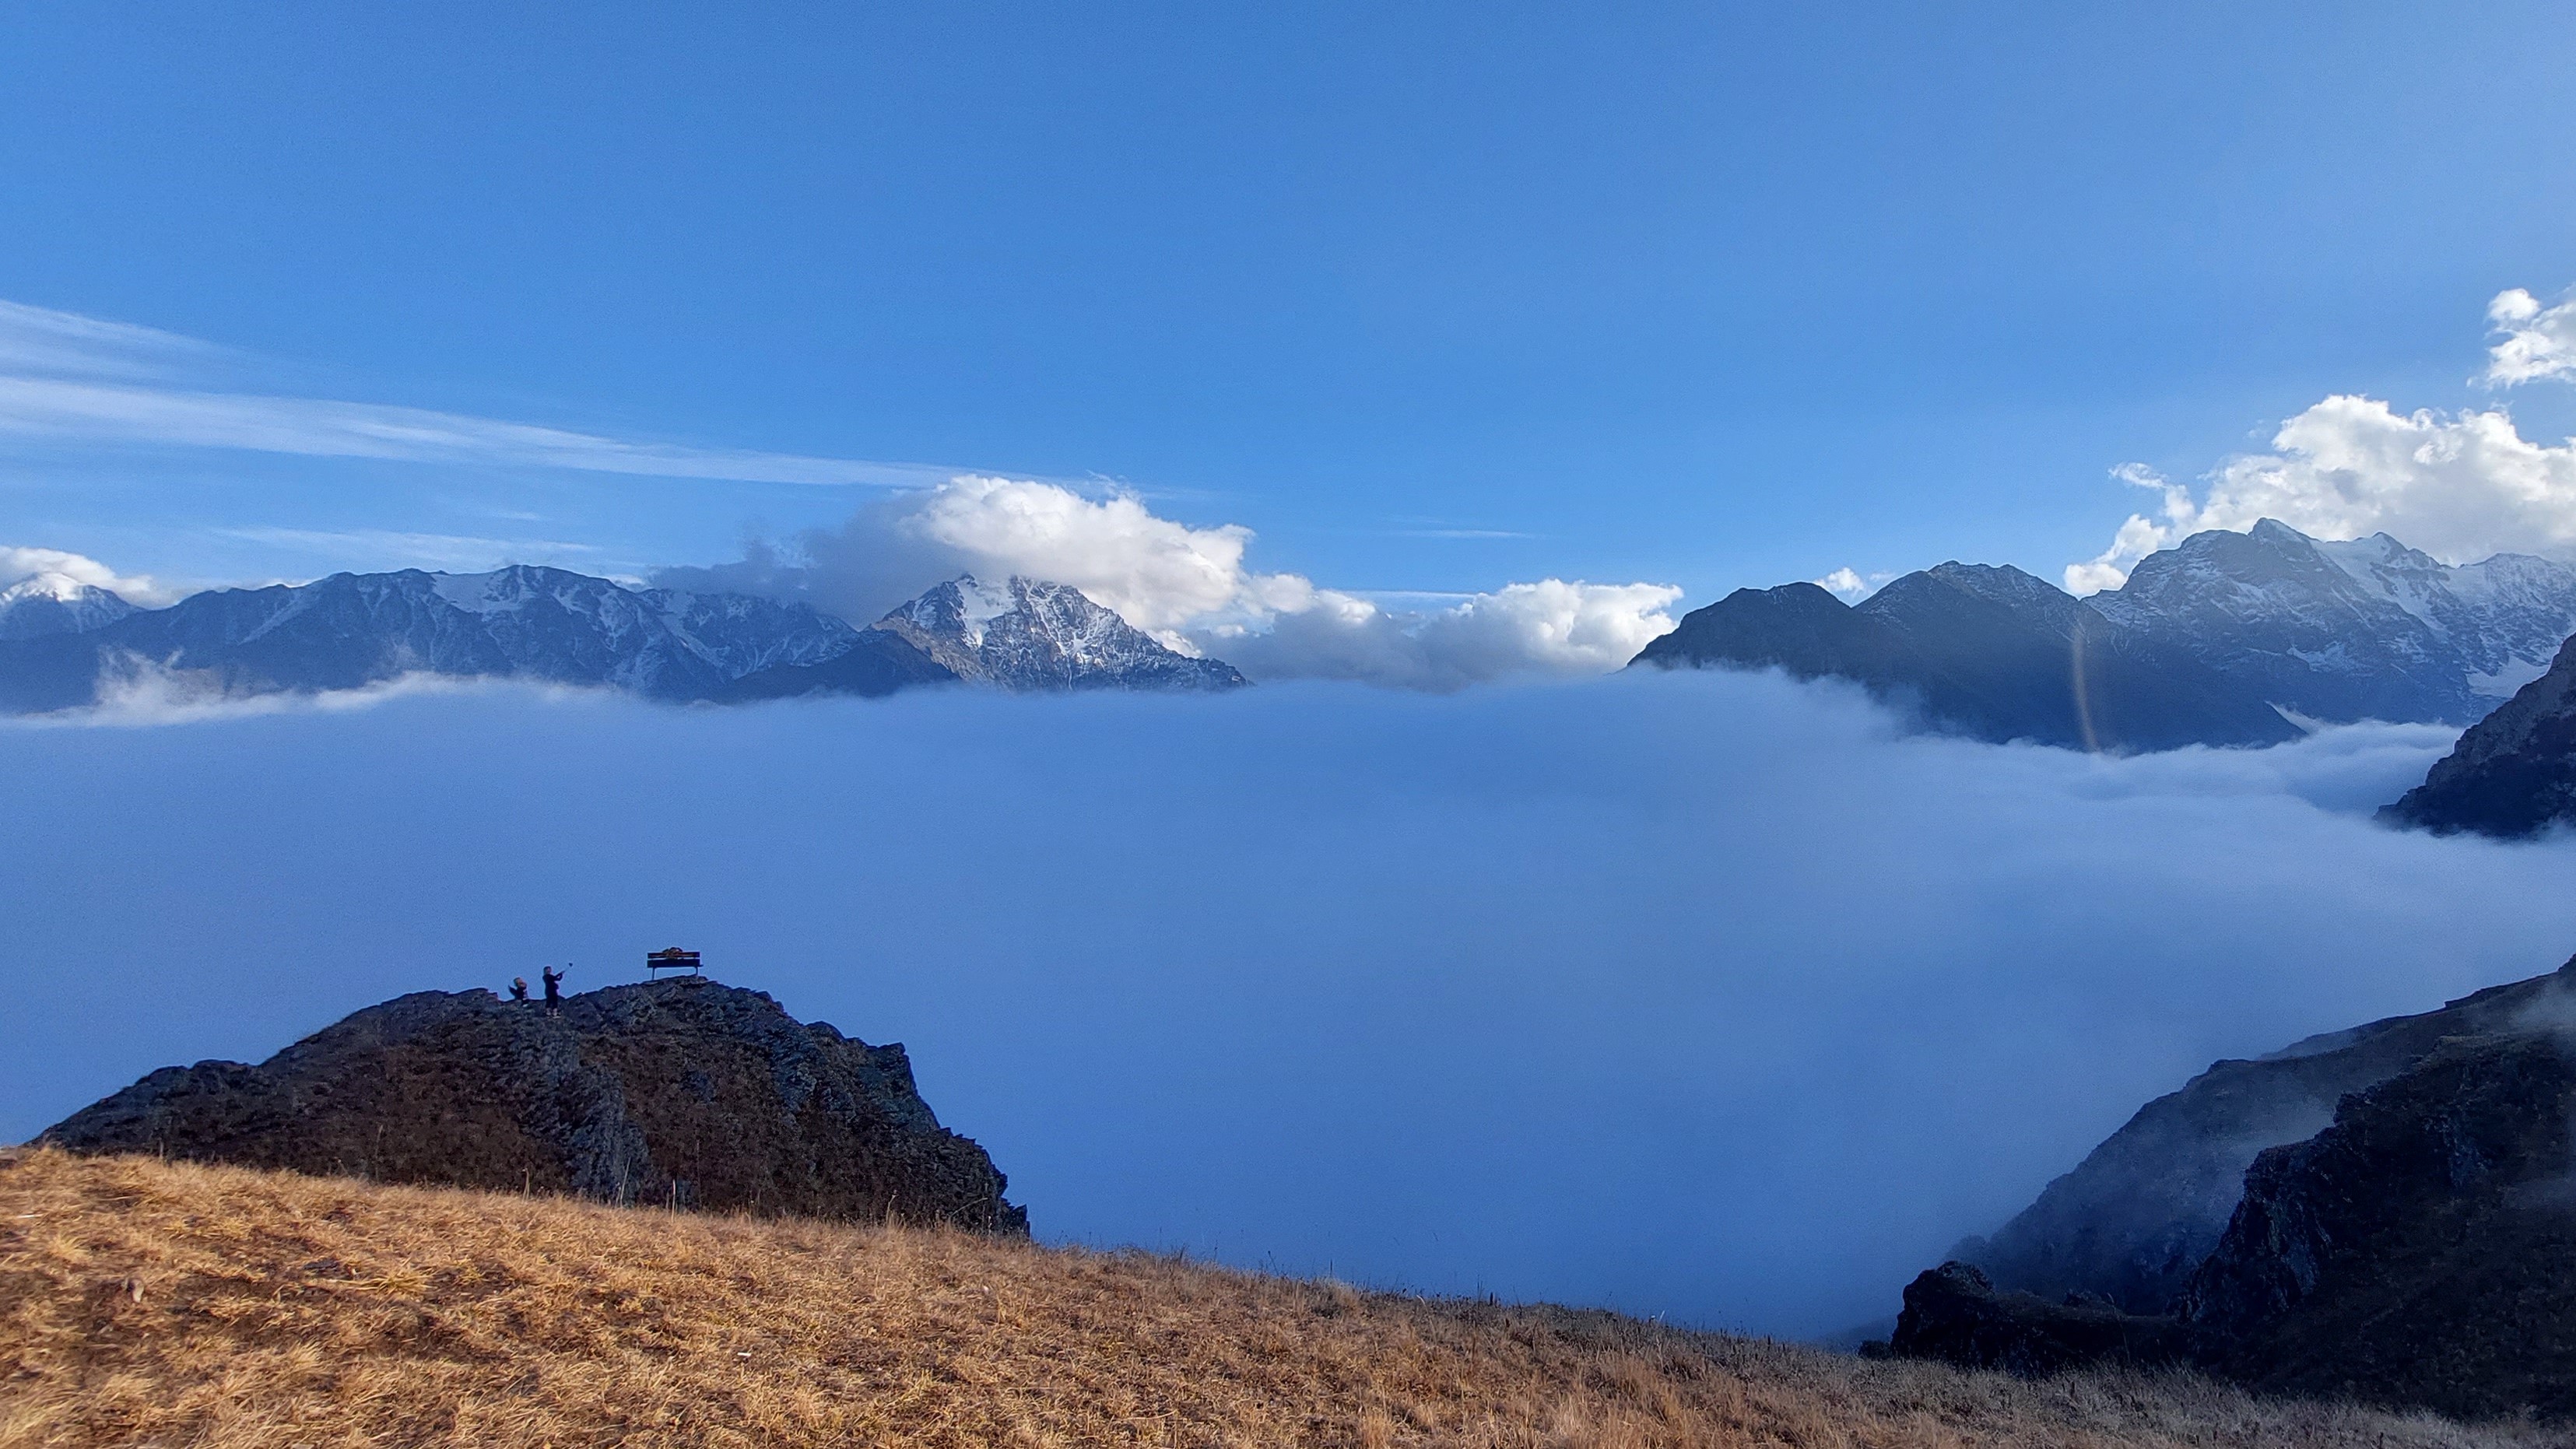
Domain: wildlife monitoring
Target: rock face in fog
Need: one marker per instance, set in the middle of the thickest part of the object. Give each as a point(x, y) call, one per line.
point(2422, 1250)
point(675, 1092)
point(2418, 1247)
point(2132, 1222)
point(2513, 773)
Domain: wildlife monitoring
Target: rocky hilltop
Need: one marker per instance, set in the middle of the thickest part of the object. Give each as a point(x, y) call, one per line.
point(2417, 1248)
point(687, 1093)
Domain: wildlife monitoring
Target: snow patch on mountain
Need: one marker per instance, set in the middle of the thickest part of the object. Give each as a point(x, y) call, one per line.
point(1028, 634)
point(57, 603)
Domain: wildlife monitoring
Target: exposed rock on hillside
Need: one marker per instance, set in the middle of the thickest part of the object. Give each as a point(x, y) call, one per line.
point(2419, 1250)
point(1953, 1313)
point(2513, 773)
point(2422, 1250)
point(690, 1093)
point(2132, 1222)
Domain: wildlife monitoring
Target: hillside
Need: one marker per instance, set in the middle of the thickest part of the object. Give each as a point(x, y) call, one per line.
point(146, 1302)
point(2513, 774)
point(686, 1092)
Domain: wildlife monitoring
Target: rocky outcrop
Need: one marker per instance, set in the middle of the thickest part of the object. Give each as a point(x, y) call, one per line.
point(685, 1093)
point(1954, 1314)
point(2133, 1221)
point(2513, 773)
point(2418, 1250)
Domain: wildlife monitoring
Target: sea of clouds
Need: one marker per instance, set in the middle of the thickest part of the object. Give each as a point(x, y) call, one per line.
point(1710, 996)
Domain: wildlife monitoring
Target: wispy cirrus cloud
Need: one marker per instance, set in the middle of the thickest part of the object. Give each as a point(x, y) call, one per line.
point(376, 547)
point(66, 379)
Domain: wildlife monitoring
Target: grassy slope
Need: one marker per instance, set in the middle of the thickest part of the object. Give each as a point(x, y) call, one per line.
point(142, 1302)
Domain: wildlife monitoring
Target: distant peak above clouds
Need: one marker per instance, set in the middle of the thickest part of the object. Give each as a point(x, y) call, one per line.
point(1193, 590)
point(53, 603)
point(1028, 634)
point(2460, 486)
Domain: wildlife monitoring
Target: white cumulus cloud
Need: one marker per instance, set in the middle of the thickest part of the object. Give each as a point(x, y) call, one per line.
point(17, 565)
point(1192, 587)
point(2532, 341)
point(1850, 585)
point(2460, 486)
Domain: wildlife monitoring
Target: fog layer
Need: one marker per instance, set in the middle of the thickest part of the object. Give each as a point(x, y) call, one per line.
point(1702, 995)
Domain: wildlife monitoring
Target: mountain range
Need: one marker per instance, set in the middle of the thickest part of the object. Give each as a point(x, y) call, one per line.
point(2224, 639)
point(65, 645)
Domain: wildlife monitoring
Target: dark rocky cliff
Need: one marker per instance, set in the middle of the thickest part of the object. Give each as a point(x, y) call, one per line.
point(2513, 773)
point(2418, 1250)
point(2133, 1221)
point(682, 1092)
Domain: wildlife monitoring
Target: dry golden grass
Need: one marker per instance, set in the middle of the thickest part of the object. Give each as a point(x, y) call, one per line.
point(149, 1303)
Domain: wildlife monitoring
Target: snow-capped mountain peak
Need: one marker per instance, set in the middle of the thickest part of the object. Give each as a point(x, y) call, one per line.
point(57, 603)
point(2353, 629)
point(1029, 634)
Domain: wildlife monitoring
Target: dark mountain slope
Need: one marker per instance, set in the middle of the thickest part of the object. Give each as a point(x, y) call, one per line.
point(684, 1092)
point(2133, 1221)
point(2513, 773)
point(1991, 652)
point(2419, 1249)
point(877, 664)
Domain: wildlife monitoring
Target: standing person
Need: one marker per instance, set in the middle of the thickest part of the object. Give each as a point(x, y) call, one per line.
point(518, 988)
point(554, 987)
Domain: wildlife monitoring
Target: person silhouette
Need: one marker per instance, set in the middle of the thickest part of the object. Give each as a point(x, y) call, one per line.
point(518, 988)
point(554, 986)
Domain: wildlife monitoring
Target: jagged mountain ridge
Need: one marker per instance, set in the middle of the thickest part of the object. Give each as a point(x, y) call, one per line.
point(553, 625)
point(1991, 651)
point(1028, 634)
point(2365, 629)
point(2209, 642)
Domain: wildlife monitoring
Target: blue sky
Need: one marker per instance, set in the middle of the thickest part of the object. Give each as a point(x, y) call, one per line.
point(1428, 298)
